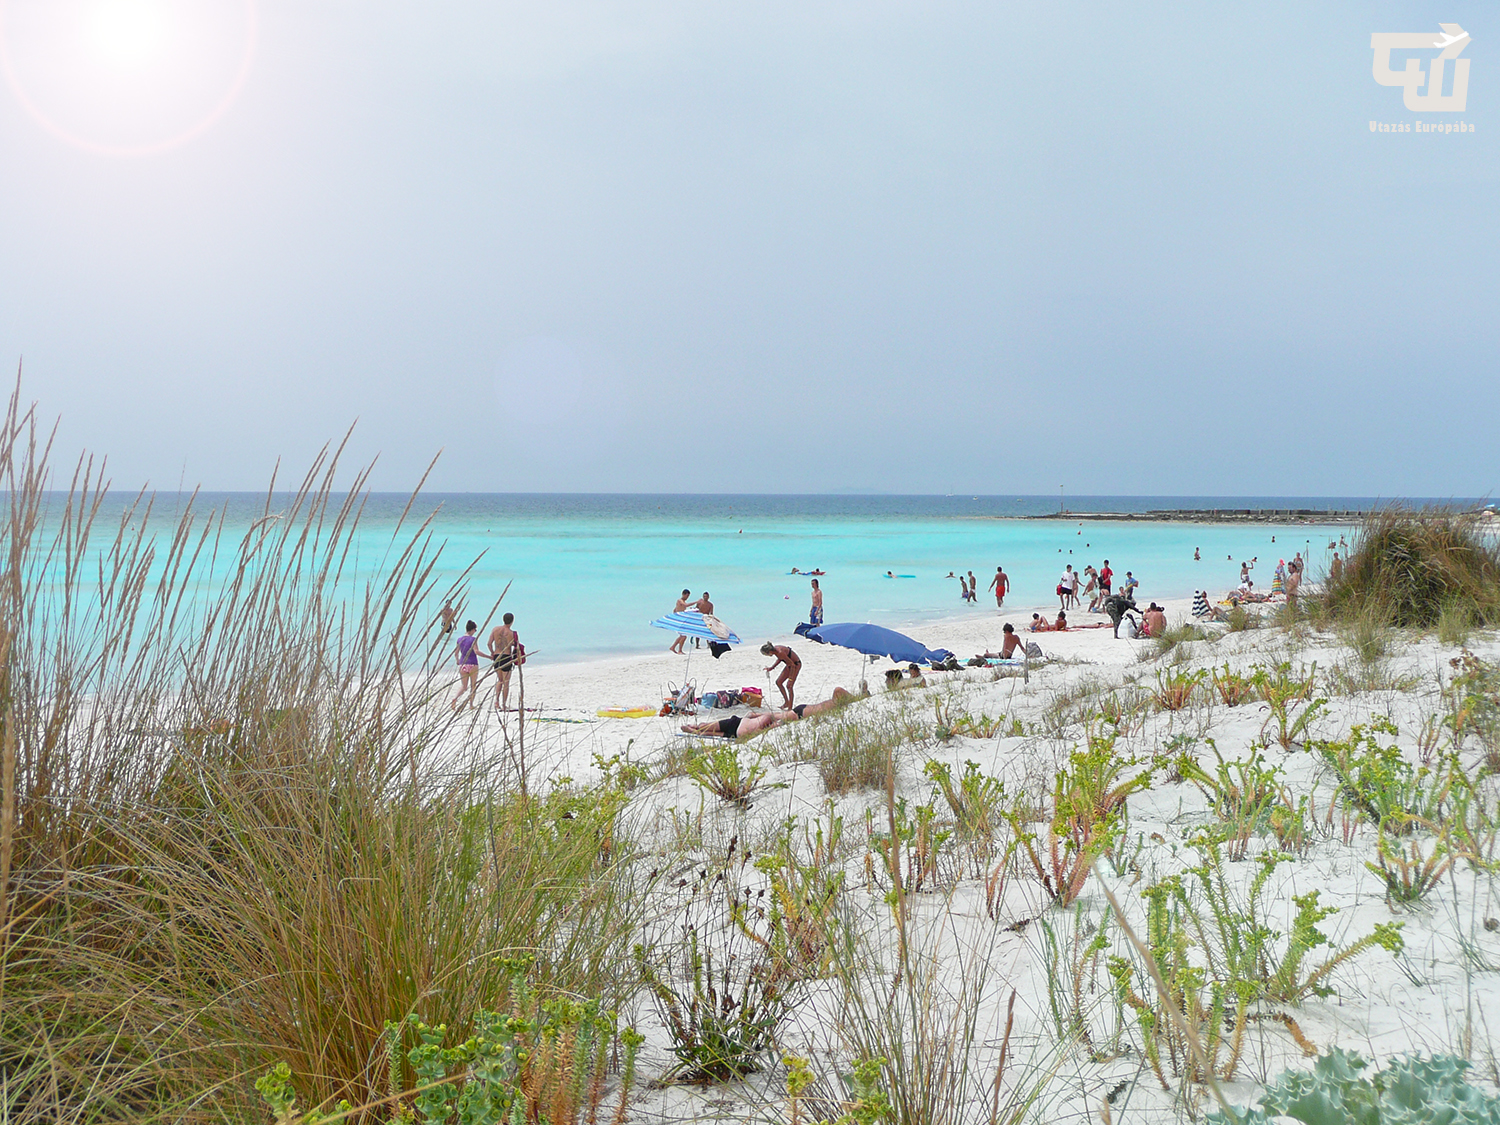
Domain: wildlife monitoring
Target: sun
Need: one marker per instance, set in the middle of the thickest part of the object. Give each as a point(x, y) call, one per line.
point(126, 77)
point(130, 33)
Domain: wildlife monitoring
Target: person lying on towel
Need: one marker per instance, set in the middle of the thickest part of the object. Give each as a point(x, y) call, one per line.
point(740, 726)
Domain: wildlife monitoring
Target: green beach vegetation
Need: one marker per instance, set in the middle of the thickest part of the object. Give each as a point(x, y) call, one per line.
point(225, 841)
point(1425, 568)
point(253, 869)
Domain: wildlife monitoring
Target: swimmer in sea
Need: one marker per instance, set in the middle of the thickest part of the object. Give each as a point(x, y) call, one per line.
point(1000, 583)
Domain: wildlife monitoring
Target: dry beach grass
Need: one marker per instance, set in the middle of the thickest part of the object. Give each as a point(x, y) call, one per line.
point(245, 834)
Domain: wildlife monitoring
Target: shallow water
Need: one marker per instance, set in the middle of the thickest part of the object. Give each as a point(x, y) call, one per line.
point(589, 573)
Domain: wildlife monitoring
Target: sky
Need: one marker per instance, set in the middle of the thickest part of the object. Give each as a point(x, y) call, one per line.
point(759, 247)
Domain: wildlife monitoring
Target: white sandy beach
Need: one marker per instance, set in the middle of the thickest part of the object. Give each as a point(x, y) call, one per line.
point(577, 691)
point(1440, 995)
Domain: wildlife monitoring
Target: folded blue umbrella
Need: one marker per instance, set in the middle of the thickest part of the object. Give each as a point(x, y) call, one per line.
point(694, 624)
point(874, 640)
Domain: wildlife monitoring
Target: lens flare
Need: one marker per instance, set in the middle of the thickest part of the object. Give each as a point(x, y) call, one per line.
point(127, 77)
point(129, 33)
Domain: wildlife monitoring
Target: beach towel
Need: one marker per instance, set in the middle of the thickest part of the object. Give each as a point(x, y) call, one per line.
point(1200, 605)
point(623, 712)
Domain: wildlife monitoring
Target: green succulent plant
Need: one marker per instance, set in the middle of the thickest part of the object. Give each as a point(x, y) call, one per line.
point(1409, 1091)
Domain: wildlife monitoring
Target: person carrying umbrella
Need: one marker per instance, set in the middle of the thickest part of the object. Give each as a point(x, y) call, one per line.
point(786, 683)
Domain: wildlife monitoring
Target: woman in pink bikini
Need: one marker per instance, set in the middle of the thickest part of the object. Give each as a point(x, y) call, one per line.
point(467, 655)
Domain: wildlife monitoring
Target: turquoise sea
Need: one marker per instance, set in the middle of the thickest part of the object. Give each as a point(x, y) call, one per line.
point(589, 572)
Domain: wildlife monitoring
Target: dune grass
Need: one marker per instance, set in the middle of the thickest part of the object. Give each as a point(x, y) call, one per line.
point(229, 837)
point(1418, 568)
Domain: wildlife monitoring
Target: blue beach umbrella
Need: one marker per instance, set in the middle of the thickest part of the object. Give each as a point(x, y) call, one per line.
point(874, 640)
point(691, 623)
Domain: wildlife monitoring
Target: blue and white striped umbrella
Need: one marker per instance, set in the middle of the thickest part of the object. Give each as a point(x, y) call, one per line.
point(694, 624)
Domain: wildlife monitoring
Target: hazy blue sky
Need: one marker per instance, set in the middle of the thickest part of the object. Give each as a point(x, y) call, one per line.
point(926, 247)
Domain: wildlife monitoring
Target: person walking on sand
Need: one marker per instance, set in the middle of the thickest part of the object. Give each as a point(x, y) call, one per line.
point(1092, 588)
point(503, 646)
point(786, 683)
point(1000, 584)
point(815, 614)
point(680, 607)
point(468, 665)
point(1106, 581)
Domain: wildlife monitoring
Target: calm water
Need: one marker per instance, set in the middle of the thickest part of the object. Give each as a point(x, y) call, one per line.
point(589, 572)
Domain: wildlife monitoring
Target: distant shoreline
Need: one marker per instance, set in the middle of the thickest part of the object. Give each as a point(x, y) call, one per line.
point(1219, 515)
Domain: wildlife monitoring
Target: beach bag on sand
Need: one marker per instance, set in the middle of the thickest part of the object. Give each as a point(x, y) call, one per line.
point(679, 701)
point(709, 701)
point(1033, 650)
point(750, 694)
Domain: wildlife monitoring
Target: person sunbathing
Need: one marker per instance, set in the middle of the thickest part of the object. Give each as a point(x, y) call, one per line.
point(1039, 624)
point(1009, 649)
point(741, 726)
point(1009, 645)
point(838, 699)
point(1154, 621)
